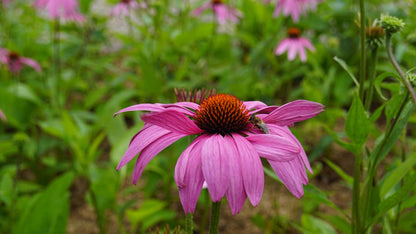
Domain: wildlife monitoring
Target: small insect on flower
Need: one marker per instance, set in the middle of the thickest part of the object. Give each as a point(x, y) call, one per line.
point(259, 123)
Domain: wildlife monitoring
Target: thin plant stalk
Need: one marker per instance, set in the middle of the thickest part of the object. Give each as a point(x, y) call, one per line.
point(356, 219)
point(372, 76)
point(363, 49)
point(398, 69)
point(57, 64)
point(189, 224)
point(215, 217)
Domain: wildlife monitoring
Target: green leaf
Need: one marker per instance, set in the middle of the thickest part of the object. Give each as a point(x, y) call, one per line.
point(348, 179)
point(383, 144)
point(396, 198)
point(47, 212)
point(379, 80)
point(357, 123)
point(6, 189)
point(316, 194)
point(397, 175)
point(313, 225)
point(347, 69)
point(147, 213)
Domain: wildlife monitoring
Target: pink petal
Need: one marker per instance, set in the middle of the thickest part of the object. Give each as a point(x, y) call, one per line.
point(216, 165)
point(254, 105)
point(142, 139)
point(202, 8)
point(142, 107)
point(151, 151)
point(282, 46)
point(32, 63)
point(302, 52)
point(273, 147)
point(173, 121)
point(306, 43)
point(251, 168)
point(235, 194)
point(188, 174)
point(294, 112)
point(292, 50)
point(284, 131)
point(3, 116)
point(292, 174)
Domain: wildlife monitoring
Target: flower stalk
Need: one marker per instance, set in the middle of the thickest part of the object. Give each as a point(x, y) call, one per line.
point(215, 217)
point(397, 67)
point(189, 223)
point(363, 49)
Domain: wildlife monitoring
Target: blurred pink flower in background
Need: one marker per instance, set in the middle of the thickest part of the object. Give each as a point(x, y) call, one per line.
point(15, 62)
point(294, 45)
point(124, 6)
point(228, 146)
point(222, 12)
point(295, 8)
point(5, 1)
point(64, 9)
point(3, 116)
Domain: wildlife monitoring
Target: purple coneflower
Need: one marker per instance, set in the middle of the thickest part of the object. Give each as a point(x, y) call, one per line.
point(294, 8)
point(65, 9)
point(227, 151)
point(294, 44)
point(124, 6)
point(14, 61)
point(222, 12)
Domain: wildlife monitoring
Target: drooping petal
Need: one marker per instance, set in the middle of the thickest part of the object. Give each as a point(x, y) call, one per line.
point(151, 151)
point(294, 112)
point(141, 140)
point(32, 63)
point(216, 165)
point(188, 174)
point(292, 50)
point(251, 168)
point(292, 174)
point(202, 8)
point(235, 193)
point(142, 107)
point(173, 121)
point(282, 46)
point(274, 147)
point(285, 132)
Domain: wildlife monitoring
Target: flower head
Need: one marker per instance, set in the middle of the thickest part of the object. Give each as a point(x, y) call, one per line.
point(14, 61)
point(222, 12)
point(124, 6)
point(228, 148)
point(65, 9)
point(294, 44)
point(295, 8)
point(391, 24)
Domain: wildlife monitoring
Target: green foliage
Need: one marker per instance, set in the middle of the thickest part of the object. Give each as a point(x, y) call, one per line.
point(60, 126)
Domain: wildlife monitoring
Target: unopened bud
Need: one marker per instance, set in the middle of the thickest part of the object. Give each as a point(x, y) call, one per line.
point(391, 24)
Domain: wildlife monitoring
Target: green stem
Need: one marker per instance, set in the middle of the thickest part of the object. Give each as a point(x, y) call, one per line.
point(372, 76)
point(403, 158)
point(215, 217)
point(374, 161)
point(363, 49)
point(57, 63)
point(398, 69)
point(356, 195)
point(189, 224)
